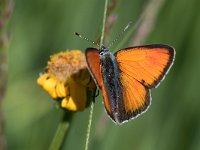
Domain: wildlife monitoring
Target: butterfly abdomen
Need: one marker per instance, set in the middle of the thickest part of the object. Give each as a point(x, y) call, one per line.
point(110, 76)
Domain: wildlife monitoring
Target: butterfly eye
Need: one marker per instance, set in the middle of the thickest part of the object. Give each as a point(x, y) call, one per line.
point(101, 53)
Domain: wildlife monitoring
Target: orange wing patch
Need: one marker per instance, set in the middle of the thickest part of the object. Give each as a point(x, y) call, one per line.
point(94, 66)
point(147, 64)
point(136, 97)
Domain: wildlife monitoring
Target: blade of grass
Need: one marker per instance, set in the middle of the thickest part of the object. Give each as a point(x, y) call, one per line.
point(89, 126)
point(92, 104)
point(104, 22)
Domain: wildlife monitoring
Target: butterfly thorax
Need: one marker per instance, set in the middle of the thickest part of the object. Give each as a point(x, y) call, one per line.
point(110, 76)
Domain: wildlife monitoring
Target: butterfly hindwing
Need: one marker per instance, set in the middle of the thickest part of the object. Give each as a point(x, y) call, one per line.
point(136, 97)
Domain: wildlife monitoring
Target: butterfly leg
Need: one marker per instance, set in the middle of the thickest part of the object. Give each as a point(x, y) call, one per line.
point(97, 94)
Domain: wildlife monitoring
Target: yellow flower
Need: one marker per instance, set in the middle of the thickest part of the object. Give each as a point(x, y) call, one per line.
point(67, 78)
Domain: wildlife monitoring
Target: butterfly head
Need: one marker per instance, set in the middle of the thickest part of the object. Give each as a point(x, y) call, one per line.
point(103, 50)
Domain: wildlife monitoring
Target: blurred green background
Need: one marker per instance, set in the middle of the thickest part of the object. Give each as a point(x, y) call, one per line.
point(40, 28)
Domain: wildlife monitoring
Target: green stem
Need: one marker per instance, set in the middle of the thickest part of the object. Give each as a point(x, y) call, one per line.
point(61, 131)
point(92, 104)
point(89, 126)
point(104, 22)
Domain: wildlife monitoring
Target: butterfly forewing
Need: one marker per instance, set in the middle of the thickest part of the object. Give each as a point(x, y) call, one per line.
point(147, 64)
point(94, 66)
point(93, 63)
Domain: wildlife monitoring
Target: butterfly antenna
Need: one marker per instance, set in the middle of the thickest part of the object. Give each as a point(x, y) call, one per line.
point(120, 34)
point(82, 37)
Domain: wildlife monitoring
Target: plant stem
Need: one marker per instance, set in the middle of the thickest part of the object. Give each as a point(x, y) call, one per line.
point(104, 22)
point(92, 104)
point(89, 126)
point(61, 131)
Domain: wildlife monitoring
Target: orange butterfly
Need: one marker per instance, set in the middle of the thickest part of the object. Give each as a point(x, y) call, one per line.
point(126, 77)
